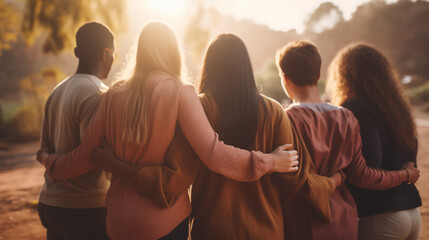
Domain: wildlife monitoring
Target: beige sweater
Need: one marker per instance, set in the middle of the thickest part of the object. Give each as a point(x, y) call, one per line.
point(67, 113)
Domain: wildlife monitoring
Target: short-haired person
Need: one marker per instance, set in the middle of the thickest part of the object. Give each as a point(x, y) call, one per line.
point(333, 139)
point(363, 80)
point(75, 208)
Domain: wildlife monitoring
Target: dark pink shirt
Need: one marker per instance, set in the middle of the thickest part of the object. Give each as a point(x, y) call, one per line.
point(333, 140)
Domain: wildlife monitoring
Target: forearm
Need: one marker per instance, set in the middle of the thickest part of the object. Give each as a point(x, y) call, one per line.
point(164, 183)
point(62, 167)
point(234, 163)
point(161, 183)
point(124, 170)
point(376, 179)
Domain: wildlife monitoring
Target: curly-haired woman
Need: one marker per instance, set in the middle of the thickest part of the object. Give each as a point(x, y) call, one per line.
point(362, 80)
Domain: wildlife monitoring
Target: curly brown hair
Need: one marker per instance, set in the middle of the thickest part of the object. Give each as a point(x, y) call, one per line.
point(362, 70)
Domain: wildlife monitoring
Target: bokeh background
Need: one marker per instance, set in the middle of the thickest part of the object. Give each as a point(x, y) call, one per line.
point(36, 53)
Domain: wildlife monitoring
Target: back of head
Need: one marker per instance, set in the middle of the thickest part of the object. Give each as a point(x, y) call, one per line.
point(227, 76)
point(362, 70)
point(91, 40)
point(157, 50)
point(300, 61)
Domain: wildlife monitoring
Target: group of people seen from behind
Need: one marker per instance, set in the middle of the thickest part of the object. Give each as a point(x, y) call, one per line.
point(153, 157)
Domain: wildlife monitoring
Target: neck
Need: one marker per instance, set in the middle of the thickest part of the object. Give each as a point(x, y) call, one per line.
point(91, 69)
point(307, 94)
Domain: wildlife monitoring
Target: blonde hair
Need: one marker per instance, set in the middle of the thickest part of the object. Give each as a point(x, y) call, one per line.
point(361, 70)
point(157, 50)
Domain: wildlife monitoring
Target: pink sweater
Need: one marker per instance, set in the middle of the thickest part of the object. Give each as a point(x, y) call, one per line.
point(129, 215)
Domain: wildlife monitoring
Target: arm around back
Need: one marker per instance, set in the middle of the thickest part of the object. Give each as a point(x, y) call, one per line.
point(360, 175)
point(305, 183)
point(78, 161)
point(233, 163)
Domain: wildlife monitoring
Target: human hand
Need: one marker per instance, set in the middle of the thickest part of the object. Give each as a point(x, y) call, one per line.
point(339, 178)
point(104, 157)
point(412, 172)
point(42, 155)
point(285, 161)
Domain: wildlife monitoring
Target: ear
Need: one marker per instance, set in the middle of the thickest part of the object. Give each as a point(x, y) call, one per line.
point(286, 79)
point(76, 52)
point(105, 56)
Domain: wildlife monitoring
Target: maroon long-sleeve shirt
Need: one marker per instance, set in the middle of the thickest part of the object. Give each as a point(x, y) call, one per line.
point(333, 140)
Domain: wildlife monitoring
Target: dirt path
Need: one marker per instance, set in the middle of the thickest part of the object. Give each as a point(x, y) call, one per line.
point(21, 177)
point(20, 180)
point(422, 184)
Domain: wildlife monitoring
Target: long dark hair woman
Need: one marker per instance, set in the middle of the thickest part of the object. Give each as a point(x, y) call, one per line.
point(362, 80)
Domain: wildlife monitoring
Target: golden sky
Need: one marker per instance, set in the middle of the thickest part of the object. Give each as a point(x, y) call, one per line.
point(277, 14)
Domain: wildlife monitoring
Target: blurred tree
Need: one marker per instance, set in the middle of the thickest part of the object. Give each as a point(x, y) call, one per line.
point(37, 87)
point(61, 18)
point(326, 16)
point(268, 81)
point(9, 25)
point(197, 35)
point(15, 64)
point(398, 29)
point(26, 118)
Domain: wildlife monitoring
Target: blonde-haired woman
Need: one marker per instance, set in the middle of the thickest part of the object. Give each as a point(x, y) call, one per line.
point(138, 117)
point(362, 80)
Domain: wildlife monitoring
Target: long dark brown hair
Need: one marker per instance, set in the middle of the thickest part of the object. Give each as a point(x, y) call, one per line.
point(361, 70)
point(227, 76)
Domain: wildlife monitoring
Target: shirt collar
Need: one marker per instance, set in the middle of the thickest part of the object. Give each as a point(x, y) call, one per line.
point(95, 80)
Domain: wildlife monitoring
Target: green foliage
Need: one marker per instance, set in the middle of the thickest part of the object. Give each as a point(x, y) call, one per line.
point(8, 109)
point(398, 29)
point(9, 25)
point(15, 64)
point(22, 126)
point(37, 88)
point(268, 81)
point(23, 122)
point(61, 18)
point(419, 95)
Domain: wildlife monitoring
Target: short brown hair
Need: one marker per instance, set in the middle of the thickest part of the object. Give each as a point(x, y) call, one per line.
point(300, 61)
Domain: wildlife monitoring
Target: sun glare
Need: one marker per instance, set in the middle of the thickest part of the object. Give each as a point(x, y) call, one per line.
point(170, 7)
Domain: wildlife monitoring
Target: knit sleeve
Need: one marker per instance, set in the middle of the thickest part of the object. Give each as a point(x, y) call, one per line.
point(78, 161)
point(233, 163)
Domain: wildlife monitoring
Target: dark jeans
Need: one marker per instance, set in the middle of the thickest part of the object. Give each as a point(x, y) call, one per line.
point(72, 223)
point(181, 232)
